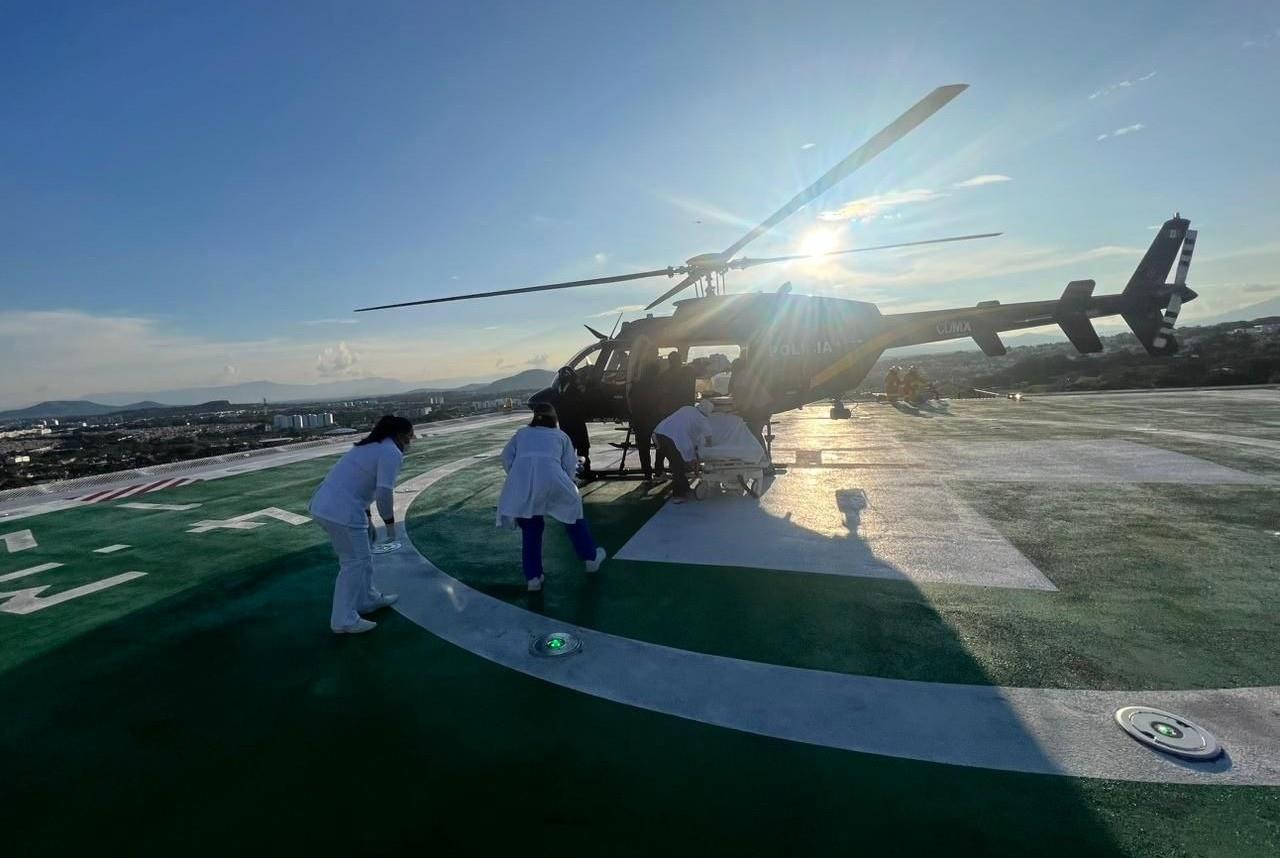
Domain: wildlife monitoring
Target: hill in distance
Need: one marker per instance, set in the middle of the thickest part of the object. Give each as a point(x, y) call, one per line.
point(58, 409)
point(1253, 312)
point(530, 379)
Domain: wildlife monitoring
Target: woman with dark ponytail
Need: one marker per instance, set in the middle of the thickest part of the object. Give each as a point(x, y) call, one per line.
point(366, 473)
point(540, 461)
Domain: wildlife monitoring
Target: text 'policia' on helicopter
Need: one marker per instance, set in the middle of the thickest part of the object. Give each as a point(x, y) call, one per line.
point(797, 349)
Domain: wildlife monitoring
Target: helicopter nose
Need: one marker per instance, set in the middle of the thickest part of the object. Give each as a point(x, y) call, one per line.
point(547, 395)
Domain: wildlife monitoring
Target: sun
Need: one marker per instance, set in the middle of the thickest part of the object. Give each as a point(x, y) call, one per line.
point(819, 239)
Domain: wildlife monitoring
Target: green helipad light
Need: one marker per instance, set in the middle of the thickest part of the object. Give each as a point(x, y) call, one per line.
point(555, 645)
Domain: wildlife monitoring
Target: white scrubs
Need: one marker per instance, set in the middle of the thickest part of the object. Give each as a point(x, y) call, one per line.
point(540, 462)
point(339, 507)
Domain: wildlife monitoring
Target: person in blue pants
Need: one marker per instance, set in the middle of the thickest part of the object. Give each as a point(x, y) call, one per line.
point(540, 462)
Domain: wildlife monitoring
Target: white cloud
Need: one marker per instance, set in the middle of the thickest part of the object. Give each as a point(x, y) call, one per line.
point(330, 322)
point(1115, 87)
point(984, 179)
point(600, 258)
point(537, 360)
point(336, 360)
point(808, 145)
point(866, 208)
point(1120, 132)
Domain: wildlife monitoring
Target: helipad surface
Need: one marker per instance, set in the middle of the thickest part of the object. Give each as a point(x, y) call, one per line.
point(916, 640)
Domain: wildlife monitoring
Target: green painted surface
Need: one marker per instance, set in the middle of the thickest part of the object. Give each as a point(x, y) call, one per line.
point(211, 712)
point(227, 720)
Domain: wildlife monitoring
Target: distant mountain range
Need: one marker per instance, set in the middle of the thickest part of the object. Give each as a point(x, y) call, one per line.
point(1261, 310)
point(72, 408)
point(255, 391)
point(530, 379)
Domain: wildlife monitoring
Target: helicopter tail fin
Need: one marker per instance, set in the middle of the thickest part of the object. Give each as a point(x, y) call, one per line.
point(1148, 292)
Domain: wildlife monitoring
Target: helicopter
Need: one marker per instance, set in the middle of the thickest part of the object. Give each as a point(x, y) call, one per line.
point(798, 349)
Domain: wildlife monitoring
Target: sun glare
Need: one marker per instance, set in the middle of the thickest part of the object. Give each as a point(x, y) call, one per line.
point(818, 240)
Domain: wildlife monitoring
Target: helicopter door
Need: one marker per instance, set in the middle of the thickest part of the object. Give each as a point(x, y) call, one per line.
point(610, 391)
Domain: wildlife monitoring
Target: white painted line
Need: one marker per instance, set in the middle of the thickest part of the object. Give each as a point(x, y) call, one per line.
point(28, 601)
point(1045, 731)
point(216, 524)
point(19, 540)
point(246, 521)
point(30, 570)
point(110, 549)
point(173, 507)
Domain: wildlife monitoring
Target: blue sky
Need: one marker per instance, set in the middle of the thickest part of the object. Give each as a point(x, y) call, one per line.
point(196, 194)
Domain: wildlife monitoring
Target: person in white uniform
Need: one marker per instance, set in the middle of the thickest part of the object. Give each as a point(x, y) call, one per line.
point(681, 437)
point(365, 474)
point(540, 462)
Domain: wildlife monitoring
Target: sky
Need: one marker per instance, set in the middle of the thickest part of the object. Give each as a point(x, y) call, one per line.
point(201, 193)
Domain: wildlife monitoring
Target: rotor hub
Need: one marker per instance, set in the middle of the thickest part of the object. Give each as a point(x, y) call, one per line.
point(707, 263)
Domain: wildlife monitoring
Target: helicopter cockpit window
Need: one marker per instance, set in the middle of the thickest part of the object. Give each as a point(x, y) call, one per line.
point(584, 359)
point(615, 372)
point(578, 366)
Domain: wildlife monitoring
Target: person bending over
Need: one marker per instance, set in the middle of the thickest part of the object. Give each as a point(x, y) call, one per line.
point(366, 473)
point(681, 437)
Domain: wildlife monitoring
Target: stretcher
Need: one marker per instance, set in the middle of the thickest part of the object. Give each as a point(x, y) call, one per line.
point(735, 461)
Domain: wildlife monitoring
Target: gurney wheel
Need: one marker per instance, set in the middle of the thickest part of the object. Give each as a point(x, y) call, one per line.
point(702, 490)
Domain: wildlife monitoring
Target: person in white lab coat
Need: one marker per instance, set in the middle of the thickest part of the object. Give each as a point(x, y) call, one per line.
point(540, 462)
point(366, 473)
point(681, 437)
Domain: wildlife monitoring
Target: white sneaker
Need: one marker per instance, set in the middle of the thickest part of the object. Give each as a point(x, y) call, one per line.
point(355, 628)
point(594, 565)
point(535, 584)
point(383, 600)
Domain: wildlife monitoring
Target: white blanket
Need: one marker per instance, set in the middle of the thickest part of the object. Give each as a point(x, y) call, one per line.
point(731, 442)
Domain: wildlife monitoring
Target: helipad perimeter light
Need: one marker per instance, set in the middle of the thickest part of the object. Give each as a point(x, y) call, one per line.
point(1167, 732)
point(555, 645)
point(385, 547)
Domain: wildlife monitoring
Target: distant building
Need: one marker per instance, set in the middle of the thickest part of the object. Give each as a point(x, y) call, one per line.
point(295, 422)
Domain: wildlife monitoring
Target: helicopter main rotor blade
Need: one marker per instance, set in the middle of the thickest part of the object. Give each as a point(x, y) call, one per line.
point(890, 134)
point(661, 272)
point(739, 264)
point(679, 287)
